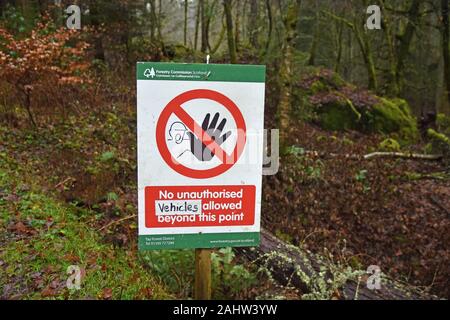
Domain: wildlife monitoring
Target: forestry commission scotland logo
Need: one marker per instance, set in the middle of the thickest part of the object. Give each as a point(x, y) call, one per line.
point(150, 73)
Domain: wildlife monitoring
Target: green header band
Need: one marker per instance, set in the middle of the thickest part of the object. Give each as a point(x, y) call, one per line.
point(200, 72)
point(205, 240)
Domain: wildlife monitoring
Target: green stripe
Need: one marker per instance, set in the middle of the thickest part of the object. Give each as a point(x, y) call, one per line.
point(200, 72)
point(205, 240)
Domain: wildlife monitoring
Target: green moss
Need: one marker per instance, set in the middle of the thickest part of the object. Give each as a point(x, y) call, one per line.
point(338, 81)
point(338, 105)
point(339, 116)
point(348, 142)
point(440, 143)
point(318, 86)
point(389, 145)
point(391, 116)
point(443, 123)
point(438, 137)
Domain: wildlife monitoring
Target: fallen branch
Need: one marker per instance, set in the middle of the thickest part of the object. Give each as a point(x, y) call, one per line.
point(370, 156)
point(117, 221)
point(413, 156)
point(311, 274)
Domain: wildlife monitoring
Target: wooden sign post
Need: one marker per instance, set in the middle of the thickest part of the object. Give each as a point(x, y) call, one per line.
point(202, 290)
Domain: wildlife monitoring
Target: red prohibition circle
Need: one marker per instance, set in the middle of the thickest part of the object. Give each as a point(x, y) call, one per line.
point(174, 107)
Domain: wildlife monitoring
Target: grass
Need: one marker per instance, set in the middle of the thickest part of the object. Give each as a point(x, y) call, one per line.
point(41, 237)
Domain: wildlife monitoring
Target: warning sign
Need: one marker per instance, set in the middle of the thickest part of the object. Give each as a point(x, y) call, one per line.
point(206, 140)
point(200, 149)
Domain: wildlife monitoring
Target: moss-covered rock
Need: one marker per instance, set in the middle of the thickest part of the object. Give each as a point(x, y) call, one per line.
point(389, 145)
point(339, 115)
point(443, 123)
point(341, 106)
point(440, 144)
point(391, 116)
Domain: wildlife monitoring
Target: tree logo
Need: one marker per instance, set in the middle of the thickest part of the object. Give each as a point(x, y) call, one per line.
point(150, 73)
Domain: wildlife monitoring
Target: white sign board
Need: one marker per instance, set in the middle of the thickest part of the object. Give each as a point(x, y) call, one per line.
point(200, 153)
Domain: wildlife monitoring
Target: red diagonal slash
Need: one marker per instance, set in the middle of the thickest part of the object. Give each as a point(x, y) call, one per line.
point(202, 135)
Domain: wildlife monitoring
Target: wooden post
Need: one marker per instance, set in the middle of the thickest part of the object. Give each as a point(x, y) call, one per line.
point(202, 274)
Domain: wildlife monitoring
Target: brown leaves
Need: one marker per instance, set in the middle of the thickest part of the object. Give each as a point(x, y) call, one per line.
point(145, 293)
point(107, 294)
point(385, 219)
point(23, 229)
point(43, 65)
point(20, 227)
point(54, 288)
point(72, 258)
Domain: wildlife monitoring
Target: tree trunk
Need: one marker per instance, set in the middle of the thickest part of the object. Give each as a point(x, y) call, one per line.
point(446, 48)
point(186, 7)
point(152, 21)
point(393, 88)
point(284, 105)
point(340, 32)
point(99, 51)
point(203, 4)
point(368, 58)
point(237, 26)
point(270, 19)
point(209, 18)
point(2, 7)
point(197, 24)
point(405, 42)
point(315, 42)
point(308, 272)
point(230, 36)
point(253, 29)
point(220, 38)
point(159, 24)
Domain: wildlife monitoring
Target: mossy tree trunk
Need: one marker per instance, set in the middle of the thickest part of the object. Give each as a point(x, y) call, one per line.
point(152, 21)
point(393, 88)
point(405, 40)
point(446, 48)
point(237, 26)
point(315, 41)
point(197, 24)
point(270, 21)
point(366, 50)
point(253, 29)
point(339, 44)
point(186, 7)
point(365, 46)
point(290, 21)
point(99, 50)
point(230, 35)
point(220, 38)
point(204, 25)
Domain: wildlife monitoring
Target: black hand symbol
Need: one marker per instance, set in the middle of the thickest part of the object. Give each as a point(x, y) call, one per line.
point(198, 147)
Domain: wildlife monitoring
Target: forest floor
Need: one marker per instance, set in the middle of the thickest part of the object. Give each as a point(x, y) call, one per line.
point(393, 213)
point(68, 197)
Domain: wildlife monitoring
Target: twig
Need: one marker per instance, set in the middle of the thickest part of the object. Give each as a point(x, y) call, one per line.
point(357, 289)
point(430, 157)
point(370, 156)
point(117, 221)
point(64, 182)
